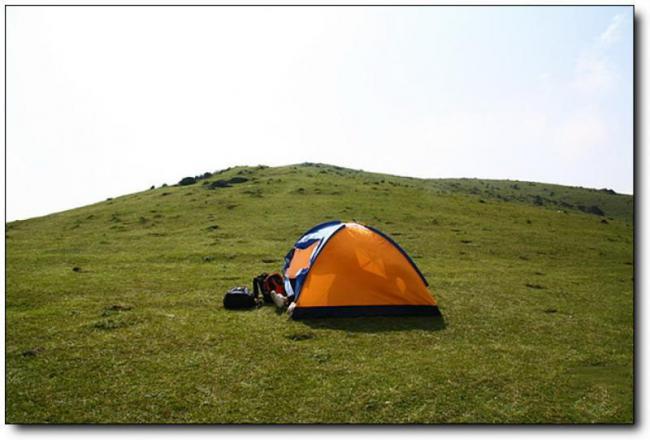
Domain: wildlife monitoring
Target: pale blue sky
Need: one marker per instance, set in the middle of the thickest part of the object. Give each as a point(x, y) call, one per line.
point(107, 101)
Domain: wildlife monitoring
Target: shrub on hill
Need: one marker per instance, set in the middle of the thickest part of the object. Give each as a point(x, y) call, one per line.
point(593, 209)
point(192, 180)
point(219, 184)
point(187, 181)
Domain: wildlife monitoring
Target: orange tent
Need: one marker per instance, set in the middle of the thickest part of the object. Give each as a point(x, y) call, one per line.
point(348, 269)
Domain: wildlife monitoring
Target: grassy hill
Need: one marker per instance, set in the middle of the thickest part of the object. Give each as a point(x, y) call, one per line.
point(114, 311)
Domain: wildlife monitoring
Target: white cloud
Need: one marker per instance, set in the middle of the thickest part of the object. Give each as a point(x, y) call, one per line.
point(613, 32)
point(594, 72)
point(586, 128)
point(580, 134)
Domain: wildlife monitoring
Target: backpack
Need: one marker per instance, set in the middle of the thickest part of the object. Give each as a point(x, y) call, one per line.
point(264, 283)
point(240, 298)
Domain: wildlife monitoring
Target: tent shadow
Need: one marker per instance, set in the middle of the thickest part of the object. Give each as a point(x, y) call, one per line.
point(378, 324)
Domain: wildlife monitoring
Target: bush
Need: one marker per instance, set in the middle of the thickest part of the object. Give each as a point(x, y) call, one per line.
point(593, 209)
point(187, 181)
point(237, 180)
point(219, 184)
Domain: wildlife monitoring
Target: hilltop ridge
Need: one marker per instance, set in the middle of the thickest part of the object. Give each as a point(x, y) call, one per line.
point(554, 196)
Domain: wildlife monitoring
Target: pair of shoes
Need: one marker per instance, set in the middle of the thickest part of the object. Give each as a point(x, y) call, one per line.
point(279, 300)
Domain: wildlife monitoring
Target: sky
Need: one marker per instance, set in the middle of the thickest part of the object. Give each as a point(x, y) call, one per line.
point(103, 102)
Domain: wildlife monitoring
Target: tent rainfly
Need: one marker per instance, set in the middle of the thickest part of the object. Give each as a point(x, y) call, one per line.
point(346, 269)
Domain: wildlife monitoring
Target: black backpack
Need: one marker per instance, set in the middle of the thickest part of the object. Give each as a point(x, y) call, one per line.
point(240, 298)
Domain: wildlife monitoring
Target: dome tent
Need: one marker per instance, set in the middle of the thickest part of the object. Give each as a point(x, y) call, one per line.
point(347, 269)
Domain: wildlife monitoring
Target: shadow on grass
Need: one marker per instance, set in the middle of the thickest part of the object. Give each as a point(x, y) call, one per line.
point(378, 324)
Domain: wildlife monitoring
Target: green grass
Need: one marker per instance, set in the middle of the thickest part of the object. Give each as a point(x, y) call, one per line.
point(537, 304)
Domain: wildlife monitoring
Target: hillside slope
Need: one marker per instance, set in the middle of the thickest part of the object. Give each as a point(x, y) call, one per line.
point(114, 310)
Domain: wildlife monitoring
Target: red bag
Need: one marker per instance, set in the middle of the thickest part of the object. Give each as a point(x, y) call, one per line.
point(267, 282)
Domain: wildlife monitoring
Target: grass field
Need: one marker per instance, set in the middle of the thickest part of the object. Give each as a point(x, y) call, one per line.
point(114, 311)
